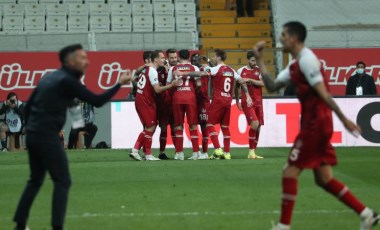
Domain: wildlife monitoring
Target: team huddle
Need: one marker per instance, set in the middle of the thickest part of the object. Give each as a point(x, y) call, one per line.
point(167, 92)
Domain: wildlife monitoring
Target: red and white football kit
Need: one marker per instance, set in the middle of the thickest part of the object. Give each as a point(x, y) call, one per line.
point(184, 102)
point(223, 78)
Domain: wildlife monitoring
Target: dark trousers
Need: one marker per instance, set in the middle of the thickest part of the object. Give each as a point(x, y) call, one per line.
point(46, 154)
point(91, 130)
point(240, 7)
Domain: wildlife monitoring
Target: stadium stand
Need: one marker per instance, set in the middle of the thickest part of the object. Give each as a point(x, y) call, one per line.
point(221, 28)
point(46, 17)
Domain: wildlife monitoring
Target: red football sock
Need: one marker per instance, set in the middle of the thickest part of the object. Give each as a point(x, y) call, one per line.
point(172, 133)
point(289, 194)
point(341, 191)
point(148, 142)
point(179, 141)
point(194, 140)
point(214, 136)
point(140, 140)
point(204, 140)
point(257, 138)
point(163, 137)
point(252, 138)
point(226, 138)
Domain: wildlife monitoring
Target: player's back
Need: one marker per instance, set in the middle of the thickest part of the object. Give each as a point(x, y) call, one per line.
point(314, 110)
point(254, 91)
point(202, 93)
point(223, 82)
point(145, 90)
point(185, 93)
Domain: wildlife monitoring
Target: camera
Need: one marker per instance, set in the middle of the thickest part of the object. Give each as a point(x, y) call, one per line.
point(12, 101)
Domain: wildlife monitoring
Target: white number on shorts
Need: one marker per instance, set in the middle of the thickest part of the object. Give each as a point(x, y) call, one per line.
point(142, 82)
point(227, 85)
point(294, 154)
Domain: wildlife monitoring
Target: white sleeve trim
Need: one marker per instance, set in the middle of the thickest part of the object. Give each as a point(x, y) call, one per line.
point(236, 75)
point(153, 76)
point(170, 75)
point(284, 75)
point(311, 67)
point(213, 70)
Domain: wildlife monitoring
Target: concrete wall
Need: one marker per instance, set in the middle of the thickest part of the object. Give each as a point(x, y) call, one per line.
point(99, 41)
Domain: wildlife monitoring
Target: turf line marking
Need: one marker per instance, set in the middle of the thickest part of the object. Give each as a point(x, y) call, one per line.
point(204, 213)
point(185, 214)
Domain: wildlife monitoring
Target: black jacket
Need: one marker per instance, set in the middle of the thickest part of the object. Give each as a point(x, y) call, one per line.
point(365, 81)
point(45, 111)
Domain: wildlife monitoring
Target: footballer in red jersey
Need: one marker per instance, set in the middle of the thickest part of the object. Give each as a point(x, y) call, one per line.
point(312, 148)
point(164, 103)
point(203, 105)
point(254, 114)
point(147, 86)
point(184, 102)
point(223, 78)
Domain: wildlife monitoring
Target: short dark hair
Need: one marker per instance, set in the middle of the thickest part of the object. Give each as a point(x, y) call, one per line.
point(147, 55)
point(66, 51)
point(155, 54)
point(11, 94)
point(184, 54)
point(360, 62)
point(221, 53)
point(195, 59)
point(170, 51)
point(297, 29)
point(250, 55)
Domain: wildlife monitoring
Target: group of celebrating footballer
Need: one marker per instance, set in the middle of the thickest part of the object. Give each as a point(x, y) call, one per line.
point(167, 90)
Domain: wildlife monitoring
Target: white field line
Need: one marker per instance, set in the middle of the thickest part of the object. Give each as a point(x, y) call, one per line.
point(203, 213)
point(195, 213)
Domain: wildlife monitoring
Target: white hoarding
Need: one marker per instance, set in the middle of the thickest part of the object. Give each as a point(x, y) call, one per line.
point(281, 117)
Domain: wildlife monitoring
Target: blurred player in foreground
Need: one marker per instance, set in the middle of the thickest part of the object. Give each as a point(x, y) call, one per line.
point(45, 115)
point(312, 148)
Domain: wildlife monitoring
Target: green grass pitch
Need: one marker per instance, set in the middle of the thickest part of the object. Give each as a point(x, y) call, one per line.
point(110, 191)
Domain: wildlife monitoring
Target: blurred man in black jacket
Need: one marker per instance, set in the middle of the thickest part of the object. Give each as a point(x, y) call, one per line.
point(45, 115)
point(361, 83)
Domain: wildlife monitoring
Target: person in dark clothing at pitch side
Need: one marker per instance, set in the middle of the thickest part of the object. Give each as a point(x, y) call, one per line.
point(361, 83)
point(90, 128)
point(45, 115)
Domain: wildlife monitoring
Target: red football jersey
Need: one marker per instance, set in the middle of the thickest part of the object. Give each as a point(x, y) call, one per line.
point(185, 93)
point(304, 73)
point(162, 75)
point(202, 93)
point(254, 91)
point(145, 92)
point(223, 78)
point(163, 98)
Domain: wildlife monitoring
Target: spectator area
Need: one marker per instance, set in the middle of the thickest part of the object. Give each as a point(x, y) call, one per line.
point(139, 23)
